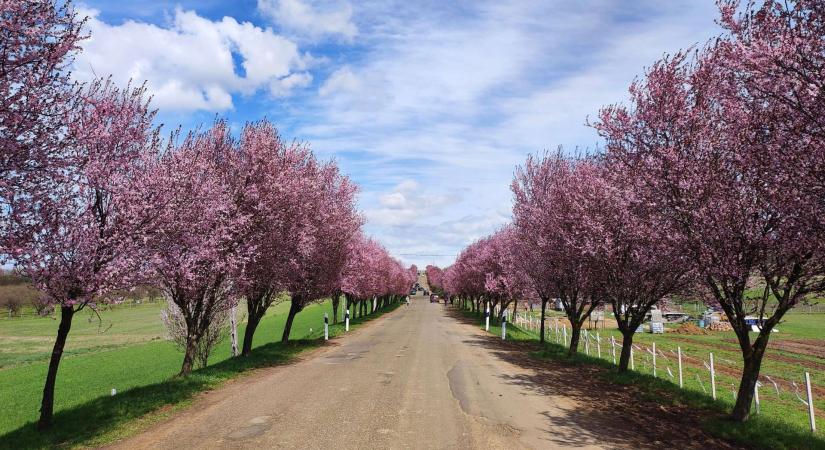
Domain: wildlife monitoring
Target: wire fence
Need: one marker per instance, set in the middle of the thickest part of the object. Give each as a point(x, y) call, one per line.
point(708, 373)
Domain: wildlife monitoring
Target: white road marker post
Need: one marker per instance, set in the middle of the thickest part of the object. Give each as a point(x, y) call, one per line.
point(810, 401)
point(346, 320)
point(504, 326)
point(654, 359)
point(233, 323)
point(712, 378)
point(326, 327)
point(613, 344)
point(679, 357)
point(756, 396)
point(487, 319)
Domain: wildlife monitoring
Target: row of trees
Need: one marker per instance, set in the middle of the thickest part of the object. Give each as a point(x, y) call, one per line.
point(711, 181)
point(94, 202)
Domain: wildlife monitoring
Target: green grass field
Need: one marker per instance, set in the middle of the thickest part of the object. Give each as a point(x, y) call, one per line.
point(783, 413)
point(132, 356)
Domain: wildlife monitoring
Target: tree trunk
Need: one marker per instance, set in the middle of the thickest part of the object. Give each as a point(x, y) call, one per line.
point(251, 326)
point(543, 309)
point(627, 346)
point(47, 404)
point(335, 302)
point(750, 375)
point(189, 355)
point(294, 308)
point(575, 333)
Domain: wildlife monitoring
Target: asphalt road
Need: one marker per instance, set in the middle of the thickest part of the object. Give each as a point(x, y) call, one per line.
point(415, 378)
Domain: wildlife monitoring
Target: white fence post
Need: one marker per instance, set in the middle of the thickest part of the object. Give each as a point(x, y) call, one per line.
point(613, 343)
point(632, 362)
point(654, 359)
point(564, 329)
point(810, 401)
point(586, 342)
point(326, 327)
point(679, 357)
point(599, 346)
point(712, 378)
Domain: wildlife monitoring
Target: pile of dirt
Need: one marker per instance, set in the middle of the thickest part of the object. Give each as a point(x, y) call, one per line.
point(720, 326)
point(689, 328)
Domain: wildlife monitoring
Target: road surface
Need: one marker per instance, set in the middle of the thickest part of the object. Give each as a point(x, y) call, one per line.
point(415, 378)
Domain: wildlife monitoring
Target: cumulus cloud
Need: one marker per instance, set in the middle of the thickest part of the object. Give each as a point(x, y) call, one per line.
point(195, 63)
point(313, 18)
point(408, 204)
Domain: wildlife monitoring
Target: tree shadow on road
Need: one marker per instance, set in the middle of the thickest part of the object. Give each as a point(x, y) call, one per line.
point(604, 413)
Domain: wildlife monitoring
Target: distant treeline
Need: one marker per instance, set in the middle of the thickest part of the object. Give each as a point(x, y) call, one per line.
point(18, 295)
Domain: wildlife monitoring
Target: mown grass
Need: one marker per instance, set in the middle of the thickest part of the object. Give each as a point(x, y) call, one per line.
point(87, 415)
point(779, 426)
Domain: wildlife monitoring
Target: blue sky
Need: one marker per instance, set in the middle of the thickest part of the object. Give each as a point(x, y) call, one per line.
point(427, 105)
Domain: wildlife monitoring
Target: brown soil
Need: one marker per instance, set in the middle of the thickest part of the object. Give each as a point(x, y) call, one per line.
point(689, 328)
point(808, 347)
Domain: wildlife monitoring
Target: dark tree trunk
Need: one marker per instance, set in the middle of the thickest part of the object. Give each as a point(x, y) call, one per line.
point(627, 347)
point(543, 309)
point(294, 309)
point(47, 404)
point(251, 326)
point(335, 302)
point(189, 354)
point(750, 375)
point(575, 333)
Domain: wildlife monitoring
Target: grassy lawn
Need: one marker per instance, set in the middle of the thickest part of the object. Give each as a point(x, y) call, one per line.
point(783, 420)
point(142, 372)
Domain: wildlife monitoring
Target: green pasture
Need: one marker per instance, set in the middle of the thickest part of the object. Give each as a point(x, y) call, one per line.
point(127, 352)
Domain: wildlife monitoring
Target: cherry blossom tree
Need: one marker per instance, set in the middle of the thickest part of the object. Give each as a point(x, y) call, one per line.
point(435, 277)
point(729, 147)
point(191, 250)
point(272, 180)
point(552, 196)
point(330, 221)
point(371, 273)
point(75, 244)
point(37, 99)
point(634, 263)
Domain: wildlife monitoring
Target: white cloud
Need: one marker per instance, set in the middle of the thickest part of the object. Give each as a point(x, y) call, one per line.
point(191, 64)
point(454, 95)
point(342, 80)
point(313, 19)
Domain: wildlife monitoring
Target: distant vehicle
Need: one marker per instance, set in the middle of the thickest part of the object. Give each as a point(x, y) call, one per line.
point(433, 298)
